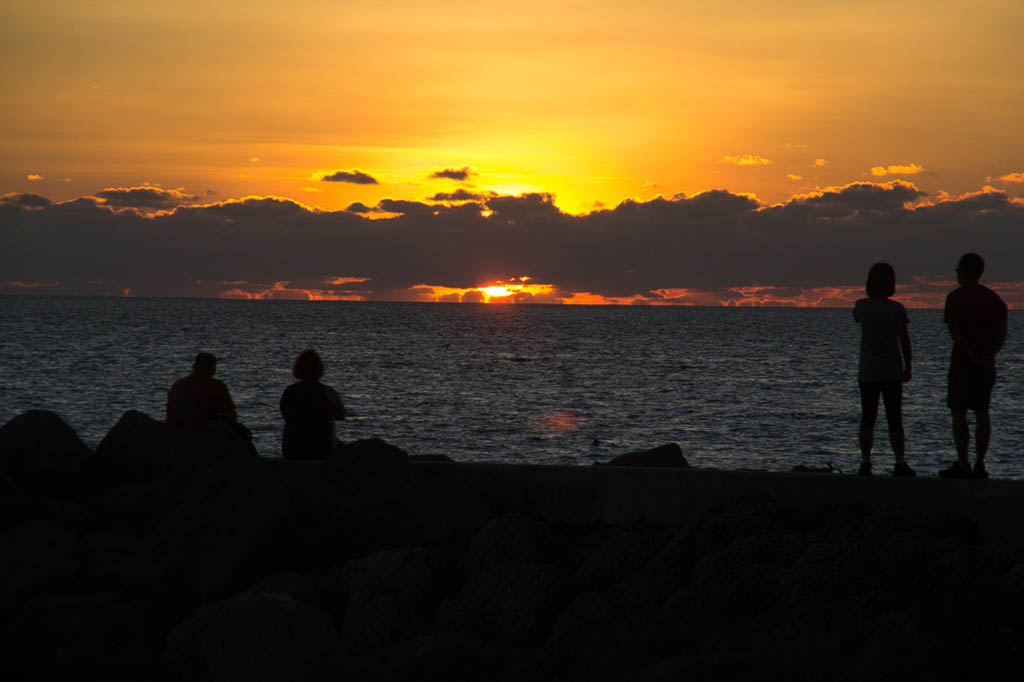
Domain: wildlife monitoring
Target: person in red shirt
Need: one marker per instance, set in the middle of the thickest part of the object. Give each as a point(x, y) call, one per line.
point(976, 317)
point(198, 397)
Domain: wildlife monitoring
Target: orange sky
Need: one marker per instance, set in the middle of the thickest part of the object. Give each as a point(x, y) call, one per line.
point(592, 102)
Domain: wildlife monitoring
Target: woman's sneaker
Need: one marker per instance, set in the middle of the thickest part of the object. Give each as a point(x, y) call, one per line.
point(903, 470)
point(979, 470)
point(865, 468)
point(957, 470)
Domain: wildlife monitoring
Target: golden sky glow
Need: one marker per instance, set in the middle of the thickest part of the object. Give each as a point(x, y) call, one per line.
point(333, 103)
point(589, 101)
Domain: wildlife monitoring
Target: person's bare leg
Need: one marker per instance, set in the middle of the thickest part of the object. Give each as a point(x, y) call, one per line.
point(898, 440)
point(961, 435)
point(867, 437)
point(867, 440)
point(982, 436)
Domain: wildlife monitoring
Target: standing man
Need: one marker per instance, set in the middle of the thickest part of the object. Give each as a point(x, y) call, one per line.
point(976, 318)
point(199, 397)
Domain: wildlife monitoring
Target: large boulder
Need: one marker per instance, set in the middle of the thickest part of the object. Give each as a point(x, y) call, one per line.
point(668, 455)
point(226, 521)
point(512, 538)
point(42, 453)
point(89, 636)
point(34, 557)
point(392, 595)
point(512, 605)
point(368, 463)
point(252, 637)
point(140, 449)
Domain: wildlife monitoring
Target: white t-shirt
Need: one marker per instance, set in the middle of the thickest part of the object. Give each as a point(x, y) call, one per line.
point(881, 320)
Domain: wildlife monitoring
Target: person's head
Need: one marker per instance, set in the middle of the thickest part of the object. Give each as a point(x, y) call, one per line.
point(969, 269)
point(881, 281)
point(308, 366)
point(205, 363)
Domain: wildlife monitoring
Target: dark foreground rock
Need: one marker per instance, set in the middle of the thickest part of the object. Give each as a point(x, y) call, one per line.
point(668, 455)
point(370, 566)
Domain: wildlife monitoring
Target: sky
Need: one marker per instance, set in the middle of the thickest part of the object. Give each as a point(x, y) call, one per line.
point(738, 153)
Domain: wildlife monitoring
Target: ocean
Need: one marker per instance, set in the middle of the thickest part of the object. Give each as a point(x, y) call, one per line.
point(737, 388)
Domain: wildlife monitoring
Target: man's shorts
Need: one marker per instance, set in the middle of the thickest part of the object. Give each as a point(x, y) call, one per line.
point(970, 387)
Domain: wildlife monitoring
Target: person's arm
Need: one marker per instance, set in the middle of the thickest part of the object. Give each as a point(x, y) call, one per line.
point(336, 405)
point(227, 405)
point(1000, 334)
point(907, 355)
point(956, 333)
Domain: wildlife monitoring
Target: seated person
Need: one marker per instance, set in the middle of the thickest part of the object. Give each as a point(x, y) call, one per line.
point(198, 397)
point(309, 409)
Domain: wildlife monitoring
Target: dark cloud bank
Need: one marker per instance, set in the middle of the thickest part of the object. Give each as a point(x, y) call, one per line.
point(710, 241)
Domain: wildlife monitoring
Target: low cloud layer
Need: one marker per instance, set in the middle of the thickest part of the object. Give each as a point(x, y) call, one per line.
point(146, 197)
point(712, 247)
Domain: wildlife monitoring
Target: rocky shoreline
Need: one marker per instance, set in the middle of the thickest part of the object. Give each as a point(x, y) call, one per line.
point(168, 556)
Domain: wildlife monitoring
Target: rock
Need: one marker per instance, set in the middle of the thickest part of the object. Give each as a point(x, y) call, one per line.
point(512, 538)
point(391, 596)
point(43, 454)
point(114, 561)
point(252, 637)
point(604, 617)
point(512, 605)
point(90, 636)
point(368, 463)
point(227, 519)
point(133, 507)
point(318, 590)
point(36, 556)
point(443, 657)
point(613, 555)
point(668, 455)
point(140, 449)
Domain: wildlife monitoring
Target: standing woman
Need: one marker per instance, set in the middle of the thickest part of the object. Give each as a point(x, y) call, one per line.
point(309, 409)
point(884, 364)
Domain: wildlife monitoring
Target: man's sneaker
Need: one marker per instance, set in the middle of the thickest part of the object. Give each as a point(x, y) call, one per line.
point(979, 470)
point(903, 470)
point(957, 470)
point(865, 468)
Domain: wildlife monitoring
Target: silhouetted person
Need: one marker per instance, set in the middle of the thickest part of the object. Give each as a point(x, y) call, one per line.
point(309, 409)
point(976, 318)
point(885, 361)
point(198, 397)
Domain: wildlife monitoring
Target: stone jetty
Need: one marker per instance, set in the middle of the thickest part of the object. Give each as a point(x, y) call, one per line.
point(183, 557)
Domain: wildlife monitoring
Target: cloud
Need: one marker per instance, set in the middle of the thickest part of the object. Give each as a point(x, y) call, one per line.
point(353, 177)
point(906, 169)
point(458, 195)
point(34, 177)
point(146, 197)
point(27, 200)
point(820, 163)
point(460, 174)
point(716, 246)
point(1012, 177)
point(747, 160)
point(791, 176)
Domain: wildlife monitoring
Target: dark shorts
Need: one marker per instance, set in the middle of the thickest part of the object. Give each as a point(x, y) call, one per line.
point(970, 387)
point(891, 392)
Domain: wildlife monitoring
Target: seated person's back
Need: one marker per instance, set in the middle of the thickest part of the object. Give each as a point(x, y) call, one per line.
point(310, 409)
point(198, 397)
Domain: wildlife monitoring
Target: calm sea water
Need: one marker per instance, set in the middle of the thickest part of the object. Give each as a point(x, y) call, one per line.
point(736, 388)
